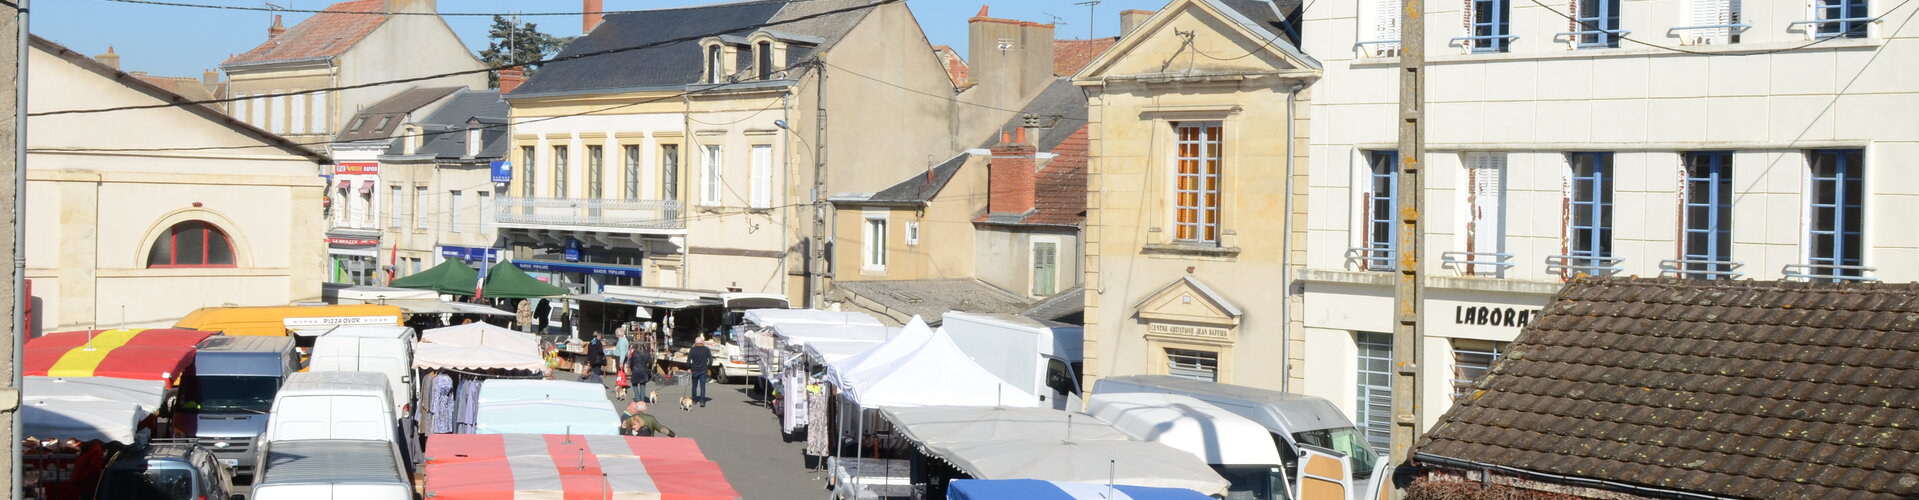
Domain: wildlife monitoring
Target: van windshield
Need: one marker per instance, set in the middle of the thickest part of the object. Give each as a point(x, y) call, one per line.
point(237, 393)
point(1344, 440)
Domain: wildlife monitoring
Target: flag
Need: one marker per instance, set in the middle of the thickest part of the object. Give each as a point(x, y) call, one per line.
point(479, 289)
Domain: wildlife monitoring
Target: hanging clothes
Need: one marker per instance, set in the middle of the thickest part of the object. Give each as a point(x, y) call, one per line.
point(817, 431)
point(441, 402)
point(469, 406)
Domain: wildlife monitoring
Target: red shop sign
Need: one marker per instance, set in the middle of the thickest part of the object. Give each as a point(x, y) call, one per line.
point(356, 168)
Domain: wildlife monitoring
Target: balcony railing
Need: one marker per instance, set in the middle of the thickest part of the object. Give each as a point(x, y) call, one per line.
point(1702, 269)
point(1584, 264)
point(657, 215)
point(1372, 258)
point(1828, 272)
point(1478, 263)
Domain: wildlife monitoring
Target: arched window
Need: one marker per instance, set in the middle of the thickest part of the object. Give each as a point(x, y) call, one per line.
point(191, 244)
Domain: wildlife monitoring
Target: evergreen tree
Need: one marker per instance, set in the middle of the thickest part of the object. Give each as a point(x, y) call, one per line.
point(512, 42)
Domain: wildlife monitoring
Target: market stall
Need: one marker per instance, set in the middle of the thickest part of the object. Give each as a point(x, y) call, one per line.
point(454, 362)
point(1033, 489)
point(146, 354)
point(514, 466)
point(546, 407)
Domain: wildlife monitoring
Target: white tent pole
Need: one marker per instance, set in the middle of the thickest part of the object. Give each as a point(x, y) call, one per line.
point(859, 450)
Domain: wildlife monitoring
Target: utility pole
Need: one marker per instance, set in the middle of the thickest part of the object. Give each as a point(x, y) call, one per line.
point(1408, 292)
point(816, 255)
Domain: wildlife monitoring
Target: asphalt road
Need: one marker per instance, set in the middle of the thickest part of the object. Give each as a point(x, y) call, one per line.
point(743, 436)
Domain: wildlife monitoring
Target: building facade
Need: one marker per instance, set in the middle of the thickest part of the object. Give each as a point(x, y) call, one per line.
point(126, 231)
point(444, 175)
point(361, 208)
point(1709, 139)
point(1187, 236)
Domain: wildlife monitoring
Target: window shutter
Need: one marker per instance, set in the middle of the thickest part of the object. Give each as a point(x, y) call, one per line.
point(762, 176)
point(299, 113)
point(1486, 226)
point(1711, 12)
point(1386, 27)
point(1466, 20)
point(322, 119)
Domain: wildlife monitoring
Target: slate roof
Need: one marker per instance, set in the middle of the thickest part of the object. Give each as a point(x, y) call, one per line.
point(377, 122)
point(1070, 56)
point(929, 299)
point(676, 60)
point(918, 189)
point(1065, 304)
point(1728, 388)
point(321, 36)
point(1059, 99)
point(446, 139)
point(1279, 17)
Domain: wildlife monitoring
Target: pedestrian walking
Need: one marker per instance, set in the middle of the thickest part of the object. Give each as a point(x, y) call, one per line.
point(699, 361)
point(595, 358)
point(639, 370)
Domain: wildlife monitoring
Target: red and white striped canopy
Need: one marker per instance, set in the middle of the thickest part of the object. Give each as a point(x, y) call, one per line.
point(561, 467)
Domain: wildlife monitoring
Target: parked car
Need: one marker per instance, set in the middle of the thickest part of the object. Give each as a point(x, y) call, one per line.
point(333, 469)
point(167, 469)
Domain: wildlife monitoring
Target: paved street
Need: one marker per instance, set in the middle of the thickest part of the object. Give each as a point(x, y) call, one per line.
point(744, 438)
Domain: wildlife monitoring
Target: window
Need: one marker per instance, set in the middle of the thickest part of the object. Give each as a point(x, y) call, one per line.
point(1711, 13)
point(258, 105)
point(527, 172)
point(337, 202)
point(1384, 30)
point(1856, 19)
point(1045, 268)
point(1485, 229)
point(1598, 25)
point(322, 117)
point(472, 141)
point(1196, 365)
point(1490, 32)
point(875, 243)
point(1375, 406)
point(762, 176)
point(912, 233)
point(393, 208)
point(1707, 249)
point(453, 211)
point(670, 172)
point(1471, 360)
point(1837, 191)
point(486, 210)
point(419, 207)
point(715, 66)
point(1196, 190)
point(559, 172)
point(1591, 221)
point(630, 176)
point(710, 180)
point(299, 108)
point(595, 172)
point(765, 61)
point(191, 244)
point(1381, 198)
point(357, 123)
point(277, 117)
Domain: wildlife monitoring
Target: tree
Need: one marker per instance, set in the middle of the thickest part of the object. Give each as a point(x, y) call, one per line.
point(512, 42)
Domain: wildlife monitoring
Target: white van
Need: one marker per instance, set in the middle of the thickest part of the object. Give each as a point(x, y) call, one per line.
point(1235, 446)
point(1040, 358)
point(332, 405)
point(383, 349)
point(332, 469)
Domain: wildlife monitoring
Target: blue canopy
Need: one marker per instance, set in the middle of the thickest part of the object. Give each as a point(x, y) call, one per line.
point(1034, 489)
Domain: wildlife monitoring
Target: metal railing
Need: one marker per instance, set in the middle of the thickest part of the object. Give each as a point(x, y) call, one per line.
point(1392, 51)
point(1848, 31)
point(1702, 269)
point(1372, 258)
point(1589, 265)
point(1499, 47)
point(1609, 39)
point(1828, 272)
point(1499, 261)
point(1734, 27)
point(620, 214)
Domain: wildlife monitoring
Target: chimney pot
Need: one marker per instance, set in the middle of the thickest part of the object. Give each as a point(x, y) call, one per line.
point(110, 59)
point(591, 14)
point(276, 29)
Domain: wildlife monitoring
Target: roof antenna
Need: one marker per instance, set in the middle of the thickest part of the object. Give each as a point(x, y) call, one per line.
point(1091, 6)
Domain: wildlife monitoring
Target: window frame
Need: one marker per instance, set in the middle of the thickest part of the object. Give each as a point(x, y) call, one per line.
point(1594, 201)
point(763, 58)
point(1370, 423)
point(1598, 23)
point(670, 172)
point(1848, 208)
point(912, 233)
point(1841, 9)
point(1496, 33)
point(420, 212)
point(1381, 233)
point(393, 218)
point(873, 239)
point(712, 174)
point(529, 171)
point(630, 171)
point(453, 211)
point(559, 160)
point(206, 230)
point(1708, 184)
point(1052, 267)
point(1471, 360)
point(485, 209)
point(595, 171)
point(1198, 356)
point(762, 176)
point(1205, 150)
point(715, 64)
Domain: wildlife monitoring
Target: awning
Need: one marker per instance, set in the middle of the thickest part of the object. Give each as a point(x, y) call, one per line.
point(148, 394)
point(510, 466)
point(451, 277)
point(505, 281)
point(152, 354)
point(437, 306)
point(344, 184)
point(482, 334)
point(366, 187)
point(545, 407)
point(433, 356)
point(85, 419)
point(639, 309)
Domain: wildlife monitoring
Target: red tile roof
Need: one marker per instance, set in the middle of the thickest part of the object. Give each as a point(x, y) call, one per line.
point(956, 68)
point(1059, 197)
point(323, 35)
point(1070, 56)
point(192, 89)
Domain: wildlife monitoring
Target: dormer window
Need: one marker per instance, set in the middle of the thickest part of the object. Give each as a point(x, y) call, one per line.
point(715, 67)
point(410, 139)
point(765, 60)
point(472, 141)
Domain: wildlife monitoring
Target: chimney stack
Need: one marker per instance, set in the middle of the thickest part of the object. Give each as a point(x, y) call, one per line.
point(1010, 59)
point(276, 29)
point(410, 6)
point(210, 78)
point(511, 78)
point(1011, 175)
point(110, 59)
point(1130, 19)
point(591, 16)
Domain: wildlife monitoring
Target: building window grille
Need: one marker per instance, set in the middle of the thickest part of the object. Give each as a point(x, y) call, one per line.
point(1708, 215)
point(1598, 24)
point(1192, 364)
point(1591, 221)
point(1196, 188)
point(1381, 208)
point(1491, 31)
point(1837, 212)
point(1472, 360)
point(1375, 404)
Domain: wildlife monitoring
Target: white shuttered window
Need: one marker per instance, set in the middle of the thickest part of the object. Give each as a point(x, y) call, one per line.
point(1711, 13)
point(322, 122)
point(1485, 209)
point(1382, 26)
point(299, 108)
point(277, 117)
point(762, 176)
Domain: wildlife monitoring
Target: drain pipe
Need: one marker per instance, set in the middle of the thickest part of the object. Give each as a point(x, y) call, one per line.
point(19, 232)
point(1286, 249)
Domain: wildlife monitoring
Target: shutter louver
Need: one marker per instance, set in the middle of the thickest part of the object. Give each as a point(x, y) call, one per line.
point(1386, 27)
point(1486, 226)
point(1707, 13)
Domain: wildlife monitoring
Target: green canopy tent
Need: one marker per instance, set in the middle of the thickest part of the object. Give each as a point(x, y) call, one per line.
point(507, 281)
point(451, 277)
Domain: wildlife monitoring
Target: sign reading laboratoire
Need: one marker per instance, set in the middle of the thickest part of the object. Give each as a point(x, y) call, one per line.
point(470, 253)
point(1497, 320)
point(502, 171)
point(356, 168)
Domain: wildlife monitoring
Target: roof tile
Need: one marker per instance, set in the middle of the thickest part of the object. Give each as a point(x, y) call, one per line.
point(323, 35)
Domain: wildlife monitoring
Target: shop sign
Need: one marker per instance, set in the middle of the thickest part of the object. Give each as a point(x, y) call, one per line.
point(470, 253)
point(356, 168)
point(1202, 332)
point(572, 250)
point(353, 242)
point(502, 171)
point(340, 321)
point(561, 267)
point(1511, 317)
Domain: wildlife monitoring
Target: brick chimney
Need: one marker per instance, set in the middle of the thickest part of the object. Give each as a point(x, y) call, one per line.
point(276, 29)
point(1010, 175)
point(1129, 19)
point(591, 16)
point(110, 59)
point(511, 78)
point(210, 78)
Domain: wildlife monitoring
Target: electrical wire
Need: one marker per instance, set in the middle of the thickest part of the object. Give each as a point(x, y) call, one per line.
point(386, 13)
point(597, 53)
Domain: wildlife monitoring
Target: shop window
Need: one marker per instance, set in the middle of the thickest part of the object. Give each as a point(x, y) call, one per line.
point(1374, 409)
point(191, 244)
point(1471, 360)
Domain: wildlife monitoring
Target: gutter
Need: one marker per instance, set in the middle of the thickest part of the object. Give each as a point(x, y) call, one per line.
point(19, 246)
point(1286, 246)
point(677, 87)
point(1544, 477)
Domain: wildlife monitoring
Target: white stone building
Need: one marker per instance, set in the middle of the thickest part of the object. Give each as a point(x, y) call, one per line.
point(1690, 138)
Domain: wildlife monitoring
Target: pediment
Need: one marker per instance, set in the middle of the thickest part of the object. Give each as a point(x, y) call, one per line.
point(1188, 300)
point(1221, 43)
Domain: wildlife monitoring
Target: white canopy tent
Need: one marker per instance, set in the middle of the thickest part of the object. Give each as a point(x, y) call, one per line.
point(935, 372)
point(1098, 462)
point(148, 394)
point(880, 358)
point(1208, 432)
point(832, 352)
point(83, 418)
point(946, 425)
point(780, 317)
point(482, 334)
point(432, 356)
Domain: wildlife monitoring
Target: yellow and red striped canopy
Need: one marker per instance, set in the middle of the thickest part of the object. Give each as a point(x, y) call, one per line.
point(142, 354)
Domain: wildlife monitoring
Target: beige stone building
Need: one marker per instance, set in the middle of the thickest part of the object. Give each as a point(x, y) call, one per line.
point(1198, 115)
point(125, 228)
point(280, 82)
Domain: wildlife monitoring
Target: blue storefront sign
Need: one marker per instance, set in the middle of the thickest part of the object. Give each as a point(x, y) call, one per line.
point(470, 253)
point(502, 171)
point(565, 267)
point(572, 250)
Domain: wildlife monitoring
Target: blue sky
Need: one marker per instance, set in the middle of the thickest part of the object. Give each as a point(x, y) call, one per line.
point(178, 41)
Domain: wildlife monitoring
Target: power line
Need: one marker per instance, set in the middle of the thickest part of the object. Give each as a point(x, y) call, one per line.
point(617, 50)
point(387, 13)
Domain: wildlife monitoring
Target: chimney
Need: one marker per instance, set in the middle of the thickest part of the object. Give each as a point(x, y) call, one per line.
point(1129, 19)
point(590, 16)
point(1010, 175)
point(110, 59)
point(210, 78)
point(276, 29)
point(1010, 59)
point(511, 78)
point(410, 6)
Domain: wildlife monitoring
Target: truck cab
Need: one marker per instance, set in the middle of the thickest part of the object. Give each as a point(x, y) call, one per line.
point(1040, 357)
point(231, 391)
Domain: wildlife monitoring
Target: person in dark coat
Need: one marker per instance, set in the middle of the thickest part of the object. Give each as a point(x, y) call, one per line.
point(595, 358)
point(639, 369)
point(699, 361)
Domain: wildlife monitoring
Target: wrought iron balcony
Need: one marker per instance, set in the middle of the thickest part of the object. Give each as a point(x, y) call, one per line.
point(1478, 263)
point(1828, 272)
point(1372, 258)
point(1590, 265)
point(1700, 269)
point(627, 215)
